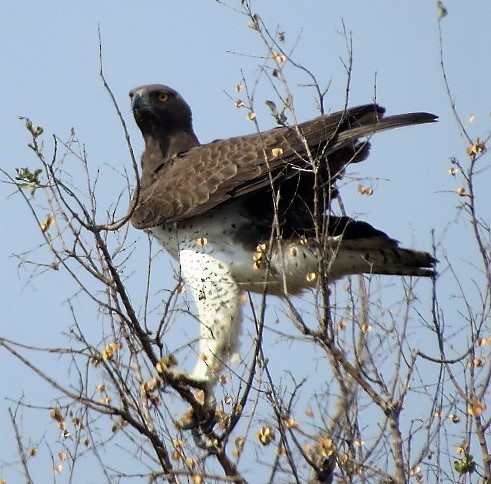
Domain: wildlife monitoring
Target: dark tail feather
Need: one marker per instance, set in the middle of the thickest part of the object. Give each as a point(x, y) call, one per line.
point(400, 262)
point(361, 247)
point(380, 255)
point(376, 254)
point(373, 122)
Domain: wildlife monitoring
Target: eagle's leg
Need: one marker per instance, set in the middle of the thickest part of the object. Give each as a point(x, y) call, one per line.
point(216, 294)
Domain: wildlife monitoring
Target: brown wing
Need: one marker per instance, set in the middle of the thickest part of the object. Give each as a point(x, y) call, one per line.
point(209, 175)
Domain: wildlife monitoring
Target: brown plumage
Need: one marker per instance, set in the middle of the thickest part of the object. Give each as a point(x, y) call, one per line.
point(182, 178)
point(249, 213)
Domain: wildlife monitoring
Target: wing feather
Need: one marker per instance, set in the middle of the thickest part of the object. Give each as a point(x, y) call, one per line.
point(212, 174)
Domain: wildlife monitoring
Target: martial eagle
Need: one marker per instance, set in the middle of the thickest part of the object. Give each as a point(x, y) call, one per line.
point(252, 213)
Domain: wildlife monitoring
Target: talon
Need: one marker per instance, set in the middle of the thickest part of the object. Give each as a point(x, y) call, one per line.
point(205, 419)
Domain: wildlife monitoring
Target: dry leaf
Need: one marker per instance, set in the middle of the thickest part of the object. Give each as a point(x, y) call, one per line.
point(49, 222)
point(362, 190)
point(202, 242)
point(476, 408)
point(276, 152)
point(462, 192)
point(453, 171)
point(311, 277)
point(278, 57)
point(265, 435)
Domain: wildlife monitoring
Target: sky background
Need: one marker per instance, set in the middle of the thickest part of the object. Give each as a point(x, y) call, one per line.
point(49, 57)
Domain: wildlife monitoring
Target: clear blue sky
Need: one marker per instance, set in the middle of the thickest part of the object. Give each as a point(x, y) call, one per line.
point(50, 72)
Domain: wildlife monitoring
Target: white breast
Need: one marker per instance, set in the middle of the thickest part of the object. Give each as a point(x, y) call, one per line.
point(215, 234)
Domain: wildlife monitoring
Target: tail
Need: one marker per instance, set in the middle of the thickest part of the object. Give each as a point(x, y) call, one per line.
point(357, 247)
point(344, 128)
point(349, 247)
point(341, 137)
point(360, 256)
point(373, 120)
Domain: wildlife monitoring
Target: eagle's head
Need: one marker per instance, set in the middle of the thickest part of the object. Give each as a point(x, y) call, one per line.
point(160, 106)
point(166, 123)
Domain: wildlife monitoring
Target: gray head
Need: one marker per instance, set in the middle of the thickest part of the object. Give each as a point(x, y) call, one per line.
point(159, 107)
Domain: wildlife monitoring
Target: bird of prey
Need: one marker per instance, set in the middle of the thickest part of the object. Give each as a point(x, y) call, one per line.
point(252, 213)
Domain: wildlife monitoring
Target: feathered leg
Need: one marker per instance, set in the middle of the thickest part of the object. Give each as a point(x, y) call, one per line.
point(217, 298)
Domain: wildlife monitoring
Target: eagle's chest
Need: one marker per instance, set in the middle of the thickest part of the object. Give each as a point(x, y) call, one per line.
point(225, 234)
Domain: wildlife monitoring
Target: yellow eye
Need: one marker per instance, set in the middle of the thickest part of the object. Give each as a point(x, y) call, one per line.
point(164, 97)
